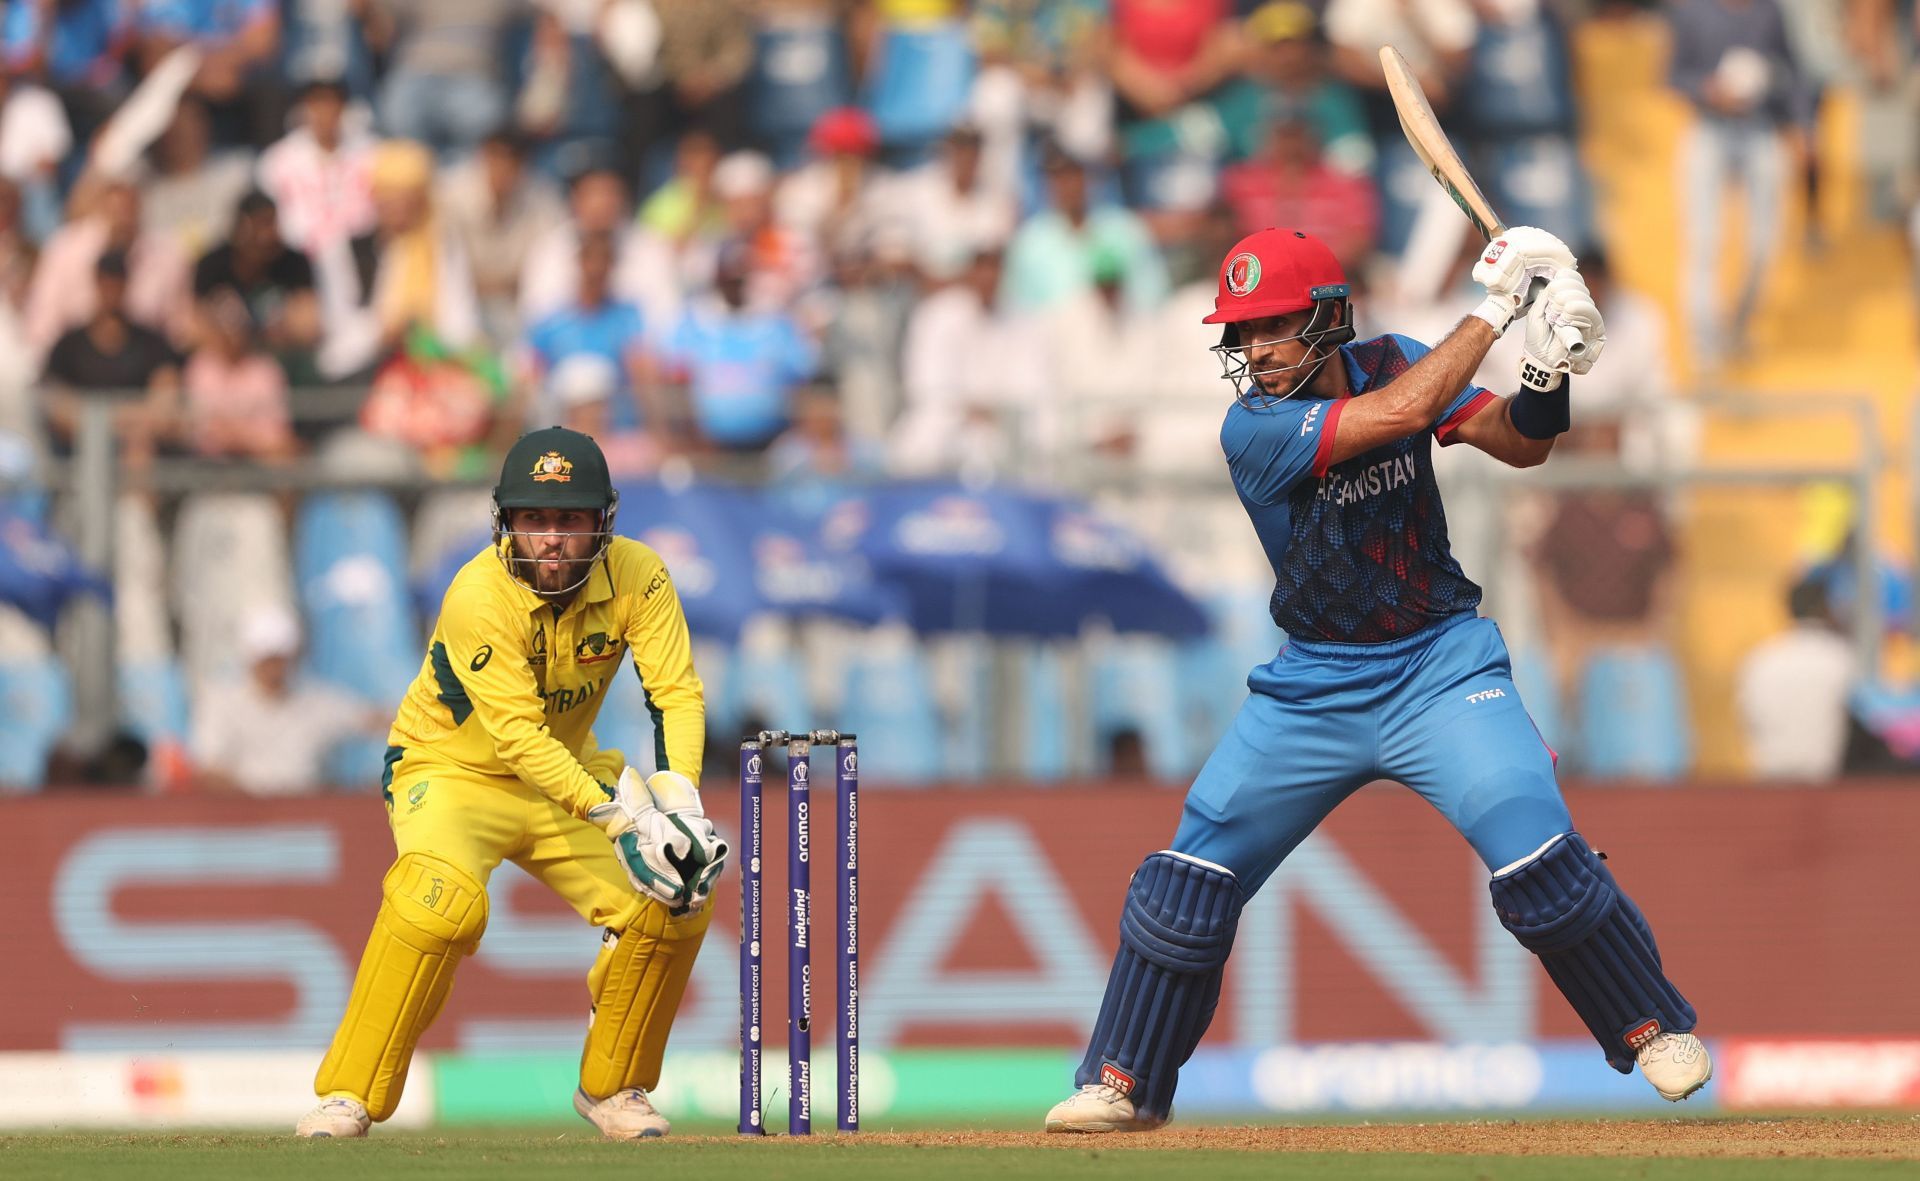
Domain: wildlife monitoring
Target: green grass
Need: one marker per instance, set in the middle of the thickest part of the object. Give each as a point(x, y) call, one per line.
point(577, 1154)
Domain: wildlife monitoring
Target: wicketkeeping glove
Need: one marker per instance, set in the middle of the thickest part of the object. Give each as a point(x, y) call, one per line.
point(666, 843)
point(1565, 307)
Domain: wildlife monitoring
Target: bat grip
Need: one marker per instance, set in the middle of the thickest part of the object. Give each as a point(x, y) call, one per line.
point(1569, 335)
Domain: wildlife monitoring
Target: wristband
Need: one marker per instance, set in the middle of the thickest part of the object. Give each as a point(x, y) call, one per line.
point(1537, 377)
point(1497, 312)
point(1541, 414)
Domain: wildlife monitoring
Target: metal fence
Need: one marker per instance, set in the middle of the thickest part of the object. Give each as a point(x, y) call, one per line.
point(1496, 516)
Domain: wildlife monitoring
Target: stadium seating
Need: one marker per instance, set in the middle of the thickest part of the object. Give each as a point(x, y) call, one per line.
point(1633, 715)
point(350, 559)
point(35, 707)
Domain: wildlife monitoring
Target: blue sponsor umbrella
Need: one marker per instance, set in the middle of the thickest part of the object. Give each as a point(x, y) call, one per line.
point(736, 552)
point(1008, 563)
point(733, 554)
point(39, 572)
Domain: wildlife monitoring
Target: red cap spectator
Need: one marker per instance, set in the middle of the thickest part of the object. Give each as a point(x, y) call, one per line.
point(844, 131)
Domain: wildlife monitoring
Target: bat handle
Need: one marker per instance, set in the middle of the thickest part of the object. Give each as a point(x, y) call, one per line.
point(1569, 335)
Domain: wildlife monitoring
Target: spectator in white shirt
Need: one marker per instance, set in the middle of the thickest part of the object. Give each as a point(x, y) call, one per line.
point(645, 271)
point(320, 173)
point(1793, 693)
point(950, 207)
point(970, 375)
point(267, 733)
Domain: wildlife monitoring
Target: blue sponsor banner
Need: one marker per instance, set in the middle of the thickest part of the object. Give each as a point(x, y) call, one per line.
point(1346, 1077)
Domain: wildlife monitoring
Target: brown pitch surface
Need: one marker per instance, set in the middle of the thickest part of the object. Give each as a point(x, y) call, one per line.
point(1875, 1137)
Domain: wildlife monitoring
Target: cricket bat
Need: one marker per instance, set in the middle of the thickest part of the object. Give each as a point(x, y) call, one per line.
point(1422, 129)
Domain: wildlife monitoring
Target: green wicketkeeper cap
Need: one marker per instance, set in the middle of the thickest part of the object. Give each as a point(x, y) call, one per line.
point(554, 468)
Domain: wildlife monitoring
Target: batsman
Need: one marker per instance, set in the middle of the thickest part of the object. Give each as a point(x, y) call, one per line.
point(1388, 672)
point(492, 757)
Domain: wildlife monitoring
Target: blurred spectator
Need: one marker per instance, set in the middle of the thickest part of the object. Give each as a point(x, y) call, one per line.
point(1883, 36)
point(239, 45)
point(784, 263)
point(1656, 427)
point(273, 281)
point(408, 275)
point(835, 198)
point(1288, 56)
point(108, 218)
point(1793, 693)
point(950, 209)
point(1105, 371)
point(865, 313)
point(304, 719)
point(742, 362)
point(498, 209)
point(78, 49)
point(1731, 60)
point(1292, 184)
point(236, 393)
point(1437, 39)
point(113, 354)
point(1042, 68)
point(698, 82)
point(1516, 116)
point(685, 204)
point(318, 174)
point(918, 71)
point(1817, 37)
point(443, 85)
point(192, 194)
point(1435, 36)
point(17, 251)
point(801, 71)
point(644, 272)
point(1605, 563)
point(567, 95)
point(967, 367)
point(595, 325)
point(34, 140)
point(816, 464)
point(19, 416)
point(1052, 255)
point(1168, 58)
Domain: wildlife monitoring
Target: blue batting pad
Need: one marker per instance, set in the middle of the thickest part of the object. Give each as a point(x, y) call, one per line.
point(1175, 934)
point(1564, 906)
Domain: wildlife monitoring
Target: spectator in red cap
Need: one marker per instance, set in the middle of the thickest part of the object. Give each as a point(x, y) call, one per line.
point(832, 199)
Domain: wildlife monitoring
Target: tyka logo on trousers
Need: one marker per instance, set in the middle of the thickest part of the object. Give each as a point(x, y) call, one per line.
point(1485, 695)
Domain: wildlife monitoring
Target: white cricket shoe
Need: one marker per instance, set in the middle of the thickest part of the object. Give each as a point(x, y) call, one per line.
point(623, 1115)
point(337, 1117)
point(1097, 1107)
point(1676, 1064)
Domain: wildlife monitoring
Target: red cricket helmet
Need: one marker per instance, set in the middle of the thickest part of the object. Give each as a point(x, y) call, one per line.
point(1271, 273)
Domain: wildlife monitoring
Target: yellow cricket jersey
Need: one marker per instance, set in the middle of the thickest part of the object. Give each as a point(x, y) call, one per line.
point(510, 687)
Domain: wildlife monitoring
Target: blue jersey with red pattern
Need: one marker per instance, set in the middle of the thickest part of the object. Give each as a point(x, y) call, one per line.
point(1359, 549)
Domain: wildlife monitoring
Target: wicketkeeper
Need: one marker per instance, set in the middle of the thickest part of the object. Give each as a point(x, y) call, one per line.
point(492, 758)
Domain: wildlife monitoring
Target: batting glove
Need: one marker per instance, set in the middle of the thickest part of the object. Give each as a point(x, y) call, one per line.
point(1563, 313)
point(1508, 267)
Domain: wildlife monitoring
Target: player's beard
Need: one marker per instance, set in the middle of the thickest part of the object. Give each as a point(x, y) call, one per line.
point(1303, 380)
point(552, 574)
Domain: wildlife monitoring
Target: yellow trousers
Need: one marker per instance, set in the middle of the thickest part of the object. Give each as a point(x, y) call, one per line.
point(451, 829)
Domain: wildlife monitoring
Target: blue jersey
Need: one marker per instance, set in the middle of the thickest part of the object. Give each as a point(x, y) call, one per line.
point(1359, 549)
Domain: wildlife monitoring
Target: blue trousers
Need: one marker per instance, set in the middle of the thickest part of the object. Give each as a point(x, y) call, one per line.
point(1436, 711)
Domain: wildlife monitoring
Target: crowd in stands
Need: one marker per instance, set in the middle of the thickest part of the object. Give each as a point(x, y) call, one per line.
point(815, 241)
